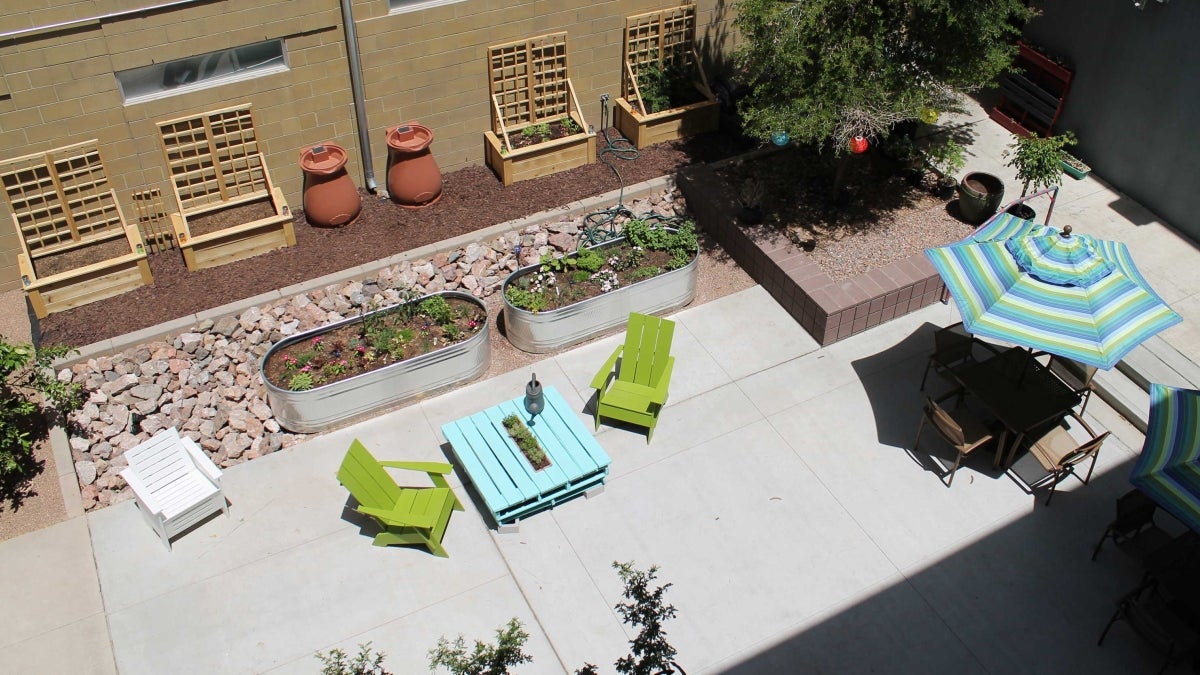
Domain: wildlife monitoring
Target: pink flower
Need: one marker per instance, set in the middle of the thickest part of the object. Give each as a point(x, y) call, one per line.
point(317, 340)
point(362, 349)
point(305, 369)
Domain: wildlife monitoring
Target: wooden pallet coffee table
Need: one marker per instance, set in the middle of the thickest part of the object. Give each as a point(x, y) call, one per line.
point(510, 487)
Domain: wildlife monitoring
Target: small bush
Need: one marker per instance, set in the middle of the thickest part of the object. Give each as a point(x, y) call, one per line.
point(337, 662)
point(28, 390)
point(485, 659)
point(437, 309)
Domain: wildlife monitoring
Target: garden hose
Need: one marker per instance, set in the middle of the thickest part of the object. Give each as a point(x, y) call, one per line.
point(600, 226)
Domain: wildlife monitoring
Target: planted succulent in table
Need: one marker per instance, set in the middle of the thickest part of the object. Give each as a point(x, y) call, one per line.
point(643, 252)
point(524, 439)
point(381, 338)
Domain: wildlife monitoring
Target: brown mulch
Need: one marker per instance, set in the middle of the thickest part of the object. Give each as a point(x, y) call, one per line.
point(214, 221)
point(472, 199)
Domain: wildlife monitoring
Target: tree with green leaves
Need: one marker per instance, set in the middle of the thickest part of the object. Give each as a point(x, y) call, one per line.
point(650, 653)
point(484, 659)
point(28, 391)
point(830, 70)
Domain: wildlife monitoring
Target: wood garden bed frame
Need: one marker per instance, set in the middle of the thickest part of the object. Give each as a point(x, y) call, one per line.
point(664, 36)
point(529, 85)
point(216, 164)
point(67, 216)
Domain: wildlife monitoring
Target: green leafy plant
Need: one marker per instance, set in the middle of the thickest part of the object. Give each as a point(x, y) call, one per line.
point(1036, 160)
point(539, 132)
point(826, 71)
point(524, 439)
point(681, 243)
point(29, 390)
point(525, 299)
point(437, 309)
point(485, 658)
point(947, 158)
point(663, 84)
point(337, 662)
point(569, 124)
point(645, 272)
point(650, 653)
point(301, 382)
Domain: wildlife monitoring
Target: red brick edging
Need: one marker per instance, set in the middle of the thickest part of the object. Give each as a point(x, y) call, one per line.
point(829, 310)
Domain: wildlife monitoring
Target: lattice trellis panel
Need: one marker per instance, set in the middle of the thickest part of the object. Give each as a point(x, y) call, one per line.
point(61, 199)
point(213, 158)
point(153, 221)
point(664, 36)
point(529, 82)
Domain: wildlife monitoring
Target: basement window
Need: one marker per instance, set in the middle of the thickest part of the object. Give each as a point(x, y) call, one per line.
point(200, 72)
point(400, 6)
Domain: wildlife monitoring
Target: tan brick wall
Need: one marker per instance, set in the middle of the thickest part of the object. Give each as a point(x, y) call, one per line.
point(427, 65)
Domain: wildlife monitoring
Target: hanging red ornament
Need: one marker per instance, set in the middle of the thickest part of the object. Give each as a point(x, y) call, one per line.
point(859, 145)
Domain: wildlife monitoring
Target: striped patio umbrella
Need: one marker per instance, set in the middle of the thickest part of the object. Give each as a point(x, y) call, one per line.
point(1168, 470)
point(1067, 294)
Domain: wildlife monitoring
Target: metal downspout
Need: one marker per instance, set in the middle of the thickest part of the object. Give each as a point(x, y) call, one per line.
point(356, 90)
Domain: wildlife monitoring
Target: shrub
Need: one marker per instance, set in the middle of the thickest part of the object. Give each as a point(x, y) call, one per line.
point(437, 309)
point(337, 662)
point(485, 659)
point(650, 653)
point(28, 390)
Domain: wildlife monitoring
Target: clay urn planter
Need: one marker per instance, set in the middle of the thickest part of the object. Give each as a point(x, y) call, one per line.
point(413, 178)
point(330, 197)
point(979, 196)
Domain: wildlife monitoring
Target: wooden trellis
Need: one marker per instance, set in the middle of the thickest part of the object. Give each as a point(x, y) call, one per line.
point(666, 36)
point(530, 84)
point(153, 221)
point(69, 223)
point(215, 164)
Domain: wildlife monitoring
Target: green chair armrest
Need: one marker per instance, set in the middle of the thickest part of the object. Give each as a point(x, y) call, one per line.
point(660, 390)
point(601, 378)
point(427, 467)
point(398, 518)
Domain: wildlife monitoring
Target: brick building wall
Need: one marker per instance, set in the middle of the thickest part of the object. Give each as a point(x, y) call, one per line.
point(58, 86)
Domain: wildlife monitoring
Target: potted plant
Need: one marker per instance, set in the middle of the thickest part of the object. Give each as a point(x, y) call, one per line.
point(665, 92)
point(979, 195)
point(1074, 166)
point(750, 201)
point(946, 159)
point(1038, 165)
point(349, 368)
point(650, 268)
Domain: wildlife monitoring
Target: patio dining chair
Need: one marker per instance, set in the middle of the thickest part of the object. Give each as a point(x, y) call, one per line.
point(1077, 376)
point(1151, 615)
point(1059, 453)
point(958, 427)
point(1134, 529)
point(953, 348)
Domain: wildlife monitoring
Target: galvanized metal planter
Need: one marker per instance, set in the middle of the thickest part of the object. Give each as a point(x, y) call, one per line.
point(322, 407)
point(541, 332)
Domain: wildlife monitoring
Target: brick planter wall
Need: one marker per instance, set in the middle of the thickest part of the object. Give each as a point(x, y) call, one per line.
point(829, 310)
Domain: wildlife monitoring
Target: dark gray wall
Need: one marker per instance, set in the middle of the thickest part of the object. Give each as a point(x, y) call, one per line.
point(1135, 97)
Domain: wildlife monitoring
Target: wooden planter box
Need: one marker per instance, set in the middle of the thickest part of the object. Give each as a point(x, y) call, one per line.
point(216, 164)
point(666, 125)
point(70, 225)
point(539, 160)
point(322, 407)
point(529, 86)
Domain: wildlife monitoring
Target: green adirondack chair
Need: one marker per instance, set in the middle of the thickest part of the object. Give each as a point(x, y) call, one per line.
point(637, 390)
point(405, 515)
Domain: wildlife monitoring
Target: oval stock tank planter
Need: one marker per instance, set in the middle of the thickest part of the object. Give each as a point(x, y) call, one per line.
point(324, 406)
point(413, 179)
point(541, 332)
point(330, 197)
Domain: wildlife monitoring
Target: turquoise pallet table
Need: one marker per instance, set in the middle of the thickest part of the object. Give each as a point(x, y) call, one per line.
point(510, 487)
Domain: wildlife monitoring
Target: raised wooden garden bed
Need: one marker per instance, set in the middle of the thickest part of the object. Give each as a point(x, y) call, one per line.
point(76, 246)
point(217, 170)
point(530, 89)
point(661, 39)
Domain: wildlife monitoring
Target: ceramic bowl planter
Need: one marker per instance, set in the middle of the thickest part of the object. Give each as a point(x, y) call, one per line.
point(979, 195)
point(550, 330)
point(321, 407)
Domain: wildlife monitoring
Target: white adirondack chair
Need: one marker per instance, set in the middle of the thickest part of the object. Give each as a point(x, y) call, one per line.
point(175, 483)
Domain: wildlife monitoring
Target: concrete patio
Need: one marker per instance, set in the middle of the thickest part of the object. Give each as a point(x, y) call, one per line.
point(777, 496)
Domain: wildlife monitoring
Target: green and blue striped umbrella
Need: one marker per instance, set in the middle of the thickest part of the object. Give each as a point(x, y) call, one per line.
point(1067, 294)
point(1168, 470)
